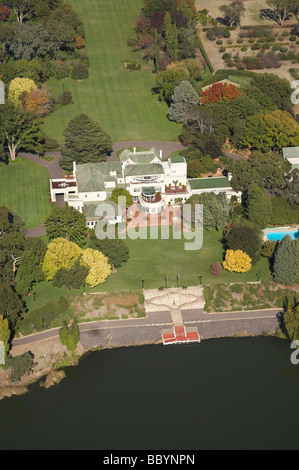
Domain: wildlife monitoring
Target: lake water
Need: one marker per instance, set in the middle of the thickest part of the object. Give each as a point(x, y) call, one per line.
point(234, 393)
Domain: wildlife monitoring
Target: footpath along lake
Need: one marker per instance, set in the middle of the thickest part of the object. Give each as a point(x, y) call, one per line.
point(232, 393)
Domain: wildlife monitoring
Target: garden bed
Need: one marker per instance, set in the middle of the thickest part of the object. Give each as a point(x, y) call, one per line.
point(249, 296)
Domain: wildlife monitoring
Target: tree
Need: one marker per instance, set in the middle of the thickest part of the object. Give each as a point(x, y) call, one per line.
point(215, 210)
point(21, 130)
point(33, 41)
point(11, 305)
point(68, 223)
point(5, 334)
point(277, 90)
point(237, 261)
point(273, 131)
point(285, 267)
point(245, 236)
point(291, 191)
point(4, 13)
point(282, 8)
point(233, 12)
point(267, 170)
point(184, 98)
point(69, 336)
point(258, 206)
point(85, 141)
point(171, 36)
point(30, 266)
point(11, 250)
point(116, 250)
point(39, 102)
point(291, 321)
point(268, 249)
point(151, 6)
point(20, 365)
point(73, 278)
point(98, 264)
point(23, 8)
point(220, 92)
point(80, 70)
point(121, 193)
point(61, 253)
point(18, 86)
point(165, 83)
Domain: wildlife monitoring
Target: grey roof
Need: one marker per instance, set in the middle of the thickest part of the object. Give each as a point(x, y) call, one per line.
point(139, 157)
point(91, 176)
point(209, 183)
point(91, 210)
point(144, 170)
point(290, 152)
point(177, 159)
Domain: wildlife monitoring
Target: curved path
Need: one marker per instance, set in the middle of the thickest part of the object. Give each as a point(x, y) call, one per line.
point(157, 319)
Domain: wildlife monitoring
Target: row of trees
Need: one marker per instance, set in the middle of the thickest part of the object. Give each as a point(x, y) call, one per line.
point(166, 31)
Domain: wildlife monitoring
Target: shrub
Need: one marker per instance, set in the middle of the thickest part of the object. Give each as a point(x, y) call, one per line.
point(226, 33)
point(222, 49)
point(293, 38)
point(20, 365)
point(216, 269)
point(255, 47)
point(240, 41)
point(65, 98)
point(283, 49)
point(219, 42)
point(244, 48)
point(61, 69)
point(226, 56)
point(80, 71)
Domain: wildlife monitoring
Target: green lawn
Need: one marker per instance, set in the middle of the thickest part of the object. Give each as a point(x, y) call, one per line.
point(152, 260)
point(119, 99)
point(24, 189)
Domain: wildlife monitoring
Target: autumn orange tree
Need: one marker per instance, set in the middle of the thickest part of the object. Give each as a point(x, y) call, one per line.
point(237, 261)
point(39, 102)
point(219, 92)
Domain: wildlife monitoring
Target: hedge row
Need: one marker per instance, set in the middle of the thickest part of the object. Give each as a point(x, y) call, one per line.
point(205, 56)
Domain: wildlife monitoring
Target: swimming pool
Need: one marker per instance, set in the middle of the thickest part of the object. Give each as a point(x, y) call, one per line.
point(276, 235)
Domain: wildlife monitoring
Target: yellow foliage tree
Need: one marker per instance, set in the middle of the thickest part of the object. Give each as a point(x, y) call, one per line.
point(237, 261)
point(99, 270)
point(18, 86)
point(60, 254)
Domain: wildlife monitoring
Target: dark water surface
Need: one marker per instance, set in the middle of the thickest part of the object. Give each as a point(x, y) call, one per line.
point(220, 394)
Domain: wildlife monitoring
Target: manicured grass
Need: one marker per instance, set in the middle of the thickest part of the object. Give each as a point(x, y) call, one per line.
point(153, 260)
point(119, 99)
point(24, 189)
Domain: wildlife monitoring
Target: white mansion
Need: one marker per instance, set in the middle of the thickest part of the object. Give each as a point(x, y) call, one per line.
point(152, 182)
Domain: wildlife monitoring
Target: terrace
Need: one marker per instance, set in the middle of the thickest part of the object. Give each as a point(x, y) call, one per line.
point(175, 189)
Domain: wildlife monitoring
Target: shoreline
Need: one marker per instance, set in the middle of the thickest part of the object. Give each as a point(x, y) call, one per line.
point(95, 340)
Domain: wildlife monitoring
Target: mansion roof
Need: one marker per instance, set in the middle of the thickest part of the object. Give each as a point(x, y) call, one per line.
point(91, 176)
point(144, 170)
point(144, 157)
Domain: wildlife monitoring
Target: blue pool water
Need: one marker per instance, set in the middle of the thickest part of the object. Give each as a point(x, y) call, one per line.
point(274, 236)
